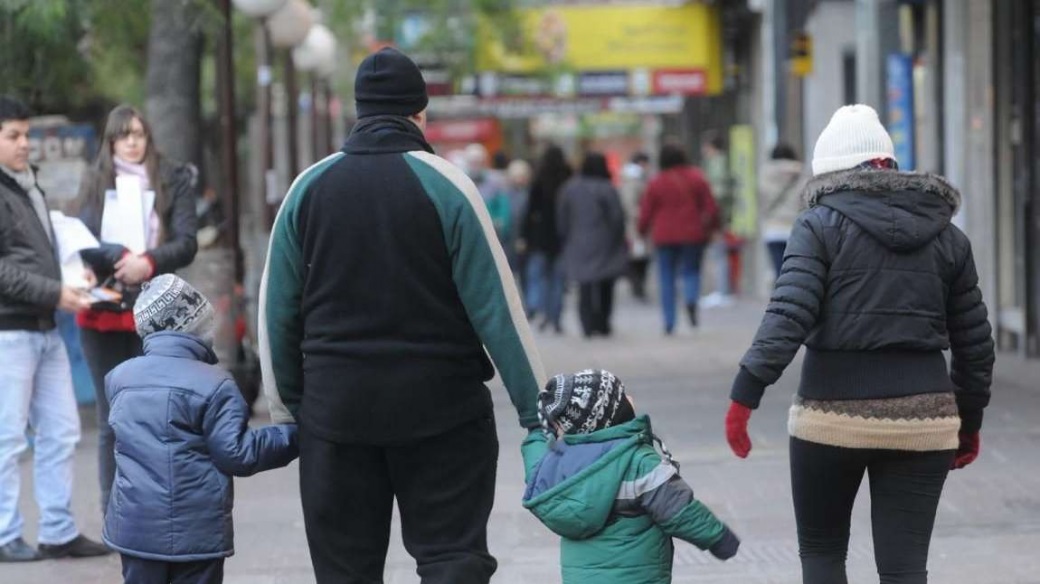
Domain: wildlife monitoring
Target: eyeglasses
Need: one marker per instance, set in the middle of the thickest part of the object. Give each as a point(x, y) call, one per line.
point(135, 134)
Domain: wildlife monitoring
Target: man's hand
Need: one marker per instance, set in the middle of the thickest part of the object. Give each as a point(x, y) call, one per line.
point(73, 300)
point(133, 269)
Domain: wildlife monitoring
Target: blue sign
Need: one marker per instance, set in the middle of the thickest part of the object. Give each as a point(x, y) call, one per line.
point(900, 75)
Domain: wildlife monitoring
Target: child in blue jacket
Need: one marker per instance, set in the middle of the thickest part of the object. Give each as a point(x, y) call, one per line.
point(181, 433)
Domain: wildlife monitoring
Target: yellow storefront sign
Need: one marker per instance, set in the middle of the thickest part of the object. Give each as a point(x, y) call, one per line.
point(609, 38)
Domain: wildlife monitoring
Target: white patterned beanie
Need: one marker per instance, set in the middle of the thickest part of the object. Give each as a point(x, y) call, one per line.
point(168, 303)
point(583, 403)
point(853, 136)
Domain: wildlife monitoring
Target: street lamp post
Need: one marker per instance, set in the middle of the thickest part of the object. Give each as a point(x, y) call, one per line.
point(288, 28)
point(229, 140)
point(317, 55)
point(261, 10)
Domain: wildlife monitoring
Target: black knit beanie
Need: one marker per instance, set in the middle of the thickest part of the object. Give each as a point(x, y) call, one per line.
point(582, 403)
point(389, 83)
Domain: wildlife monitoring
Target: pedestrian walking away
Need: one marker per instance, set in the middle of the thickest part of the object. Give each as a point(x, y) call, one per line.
point(876, 283)
point(591, 224)
point(384, 293)
point(679, 214)
point(717, 170)
point(634, 177)
point(545, 277)
point(36, 381)
point(780, 186)
point(598, 477)
point(181, 430)
point(107, 333)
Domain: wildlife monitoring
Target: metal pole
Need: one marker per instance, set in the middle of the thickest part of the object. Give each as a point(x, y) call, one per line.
point(229, 138)
point(330, 134)
point(263, 109)
point(292, 108)
point(317, 120)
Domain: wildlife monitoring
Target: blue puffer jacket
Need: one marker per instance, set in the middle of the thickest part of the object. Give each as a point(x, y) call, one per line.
point(181, 430)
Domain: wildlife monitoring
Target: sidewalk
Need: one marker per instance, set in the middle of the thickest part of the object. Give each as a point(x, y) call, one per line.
point(987, 532)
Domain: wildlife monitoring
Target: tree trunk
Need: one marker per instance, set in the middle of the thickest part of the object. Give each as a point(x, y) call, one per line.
point(172, 86)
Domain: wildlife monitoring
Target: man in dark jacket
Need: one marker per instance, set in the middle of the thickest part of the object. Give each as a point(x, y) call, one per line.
point(35, 381)
point(384, 284)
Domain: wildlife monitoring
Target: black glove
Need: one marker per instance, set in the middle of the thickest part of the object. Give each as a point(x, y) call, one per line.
point(103, 259)
point(726, 547)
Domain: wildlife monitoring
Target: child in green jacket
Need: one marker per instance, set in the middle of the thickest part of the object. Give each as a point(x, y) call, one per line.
point(595, 478)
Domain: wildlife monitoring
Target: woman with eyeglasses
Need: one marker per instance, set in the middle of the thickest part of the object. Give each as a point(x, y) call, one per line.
point(107, 332)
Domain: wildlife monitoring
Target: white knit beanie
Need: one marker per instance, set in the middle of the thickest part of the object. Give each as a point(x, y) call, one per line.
point(168, 303)
point(853, 136)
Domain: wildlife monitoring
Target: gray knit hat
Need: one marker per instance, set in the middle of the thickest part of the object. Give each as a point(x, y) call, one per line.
point(168, 303)
point(584, 402)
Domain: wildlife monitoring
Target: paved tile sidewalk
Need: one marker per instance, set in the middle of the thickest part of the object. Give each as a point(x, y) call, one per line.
point(988, 529)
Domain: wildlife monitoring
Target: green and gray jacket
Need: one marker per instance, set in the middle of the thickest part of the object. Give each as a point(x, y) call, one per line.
point(384, 285)
point(617, 504)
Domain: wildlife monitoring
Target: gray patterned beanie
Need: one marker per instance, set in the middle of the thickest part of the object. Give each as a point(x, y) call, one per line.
point(168, 303)
point(584, 402)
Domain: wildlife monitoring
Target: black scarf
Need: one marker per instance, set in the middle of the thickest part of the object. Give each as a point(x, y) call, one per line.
point(385, 135)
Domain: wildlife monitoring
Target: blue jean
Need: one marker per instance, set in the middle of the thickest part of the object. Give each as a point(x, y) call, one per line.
point(36, 391)
point(673, 261)
point(545, 283)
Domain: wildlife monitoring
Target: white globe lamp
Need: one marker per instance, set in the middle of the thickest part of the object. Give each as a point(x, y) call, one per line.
point(290, 24)
point(317, 52)
point(259, 8)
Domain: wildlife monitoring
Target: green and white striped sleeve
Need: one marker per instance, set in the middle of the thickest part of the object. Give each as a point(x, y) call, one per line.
point(484, 280)
point(280, 330)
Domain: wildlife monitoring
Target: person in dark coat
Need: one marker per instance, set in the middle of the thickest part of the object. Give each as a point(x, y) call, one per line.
point(35, 379)
point(591, 224)
point(876, 282)
point(680, 214)
point(386, 305)
point(107, 330)
point(181, 433)
point(541, 241)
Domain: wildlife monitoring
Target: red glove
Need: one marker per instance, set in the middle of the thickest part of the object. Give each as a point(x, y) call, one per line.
point(968, 450)
point(736, 429)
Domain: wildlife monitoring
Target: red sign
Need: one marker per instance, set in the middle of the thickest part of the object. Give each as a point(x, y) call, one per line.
point(461, 130)
point(680, 81)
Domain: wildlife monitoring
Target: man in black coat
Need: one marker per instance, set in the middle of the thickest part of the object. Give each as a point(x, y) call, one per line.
point(35, 382)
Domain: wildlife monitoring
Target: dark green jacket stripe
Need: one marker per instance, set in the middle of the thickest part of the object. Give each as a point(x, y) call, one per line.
point(484, 280)
point(281, 290)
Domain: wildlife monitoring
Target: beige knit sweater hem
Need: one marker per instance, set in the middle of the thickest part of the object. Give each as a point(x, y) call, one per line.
point(845, 431)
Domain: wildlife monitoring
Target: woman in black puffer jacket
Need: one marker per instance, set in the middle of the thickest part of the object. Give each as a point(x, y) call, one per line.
point(107, 331)
point(876, 283)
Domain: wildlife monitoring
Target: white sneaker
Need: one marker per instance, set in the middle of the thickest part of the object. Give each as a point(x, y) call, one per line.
point(716, 300)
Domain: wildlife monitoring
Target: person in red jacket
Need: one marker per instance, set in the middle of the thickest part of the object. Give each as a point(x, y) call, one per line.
point(679, 212)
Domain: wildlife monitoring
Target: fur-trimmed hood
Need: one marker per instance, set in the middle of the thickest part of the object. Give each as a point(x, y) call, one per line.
point(902, 210)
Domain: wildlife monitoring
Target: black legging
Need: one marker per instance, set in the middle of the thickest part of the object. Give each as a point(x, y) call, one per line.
point(904, 494)
point(595, 306)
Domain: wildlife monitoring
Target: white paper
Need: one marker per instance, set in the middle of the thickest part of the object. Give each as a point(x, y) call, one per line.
point(71, 236)
point(123, 221)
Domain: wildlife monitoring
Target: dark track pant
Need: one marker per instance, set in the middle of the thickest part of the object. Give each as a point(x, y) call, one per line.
point(141, 571)
point(904, 494)
point(596, 306)
point(445, 488)
point(103, 352)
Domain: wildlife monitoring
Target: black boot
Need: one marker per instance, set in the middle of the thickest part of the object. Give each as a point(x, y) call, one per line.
point(691, 310)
